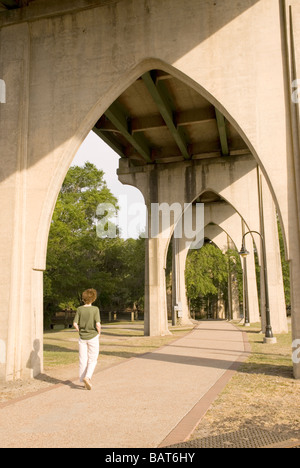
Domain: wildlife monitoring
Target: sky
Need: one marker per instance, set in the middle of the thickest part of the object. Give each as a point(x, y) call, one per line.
point(132, 216)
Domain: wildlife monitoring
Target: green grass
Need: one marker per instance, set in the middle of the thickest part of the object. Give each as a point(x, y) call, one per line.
point(273, 359)
point(60, 348)
point(116, 344)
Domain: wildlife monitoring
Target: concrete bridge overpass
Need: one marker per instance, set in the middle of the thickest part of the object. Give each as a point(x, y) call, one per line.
point(223, 222)
point(193, 95)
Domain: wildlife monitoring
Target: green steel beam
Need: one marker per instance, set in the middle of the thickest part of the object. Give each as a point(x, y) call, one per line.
point(165, 110)
point(12, 4)
point(109, 139)
point(222, 133)
point(118, 117)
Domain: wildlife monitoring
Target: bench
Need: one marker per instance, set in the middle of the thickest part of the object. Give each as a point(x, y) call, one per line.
point(65, 318)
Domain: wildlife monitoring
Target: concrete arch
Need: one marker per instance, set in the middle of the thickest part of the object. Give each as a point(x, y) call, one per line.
point(86, 125)
point(224, 217)
point(231, 224)
point(69, 152)
point(70, 149)
point(90, 49)
point(212, 231)
point(241, 209)
point(237, 184)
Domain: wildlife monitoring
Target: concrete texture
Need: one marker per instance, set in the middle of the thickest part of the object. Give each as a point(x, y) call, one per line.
point(65, 62)
point(156, 399)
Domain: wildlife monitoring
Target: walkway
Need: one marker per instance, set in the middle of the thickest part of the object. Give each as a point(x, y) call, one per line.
point(151, 401)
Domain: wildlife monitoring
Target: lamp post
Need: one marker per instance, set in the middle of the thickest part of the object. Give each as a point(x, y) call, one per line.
point(269, 337)
point(244, 254)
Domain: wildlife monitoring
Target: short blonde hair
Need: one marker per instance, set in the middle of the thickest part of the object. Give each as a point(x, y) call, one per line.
point(89, 296)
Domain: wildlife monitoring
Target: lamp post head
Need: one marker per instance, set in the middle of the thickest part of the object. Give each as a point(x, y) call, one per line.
point(244, 252)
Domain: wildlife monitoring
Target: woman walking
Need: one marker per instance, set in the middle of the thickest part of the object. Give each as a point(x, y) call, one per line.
point(87, 323)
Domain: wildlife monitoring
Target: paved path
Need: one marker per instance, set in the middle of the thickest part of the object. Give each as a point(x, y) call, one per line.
point(149, 401)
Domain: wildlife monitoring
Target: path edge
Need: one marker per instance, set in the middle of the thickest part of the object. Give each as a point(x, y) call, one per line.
point(185, 428)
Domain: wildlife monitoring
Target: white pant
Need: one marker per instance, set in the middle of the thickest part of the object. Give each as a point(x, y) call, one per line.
point(88, 357)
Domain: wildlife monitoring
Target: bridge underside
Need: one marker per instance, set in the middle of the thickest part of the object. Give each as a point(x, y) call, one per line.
point(160, 119)
point(13, 4)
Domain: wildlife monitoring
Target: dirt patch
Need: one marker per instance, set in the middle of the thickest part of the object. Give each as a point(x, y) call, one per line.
point(263, 395)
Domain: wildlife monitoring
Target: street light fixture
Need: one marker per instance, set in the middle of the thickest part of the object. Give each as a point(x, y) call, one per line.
point(244, 253)
point(269, 337)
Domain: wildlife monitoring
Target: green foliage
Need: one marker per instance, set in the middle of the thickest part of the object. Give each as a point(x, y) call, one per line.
point(77, 259)
point(235, 266)
point(207, 274)
point(285, 268)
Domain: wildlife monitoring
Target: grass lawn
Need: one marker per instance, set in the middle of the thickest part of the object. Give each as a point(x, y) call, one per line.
point(118, 342)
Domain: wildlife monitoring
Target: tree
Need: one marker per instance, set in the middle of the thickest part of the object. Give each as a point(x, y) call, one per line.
point(78, 259)
point(207, 271)
point(125, 259)
point(285, 267)
point(75, 254)
point(207, 274)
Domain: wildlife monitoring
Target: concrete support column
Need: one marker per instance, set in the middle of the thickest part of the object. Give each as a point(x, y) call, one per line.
point(269, 229)
point(233, 288)
point(148, 181)
point(233, 297)
point(156, 316)
point(291, 223)
point(295, 301)
point(221, 308)
point(253, 304)
point(180, 253)
point(21, 287)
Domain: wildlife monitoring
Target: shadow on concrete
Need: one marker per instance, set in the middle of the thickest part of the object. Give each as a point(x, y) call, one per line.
point(284, 371)
point(52, 380)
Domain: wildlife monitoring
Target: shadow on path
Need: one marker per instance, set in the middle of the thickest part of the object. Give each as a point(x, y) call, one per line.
point(55, 381)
